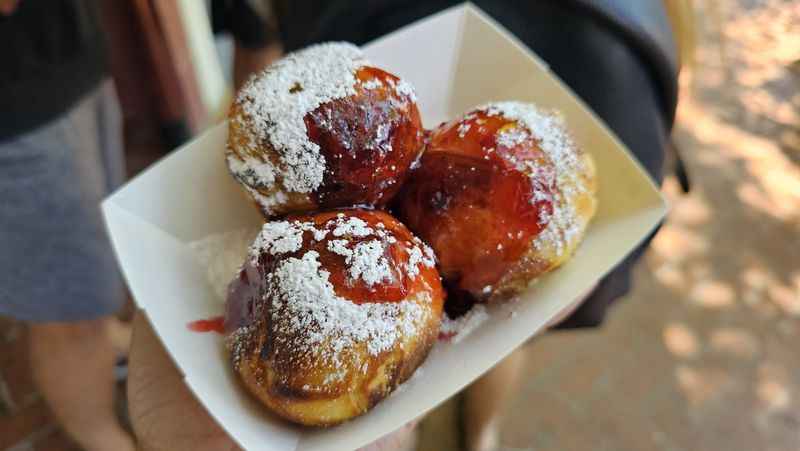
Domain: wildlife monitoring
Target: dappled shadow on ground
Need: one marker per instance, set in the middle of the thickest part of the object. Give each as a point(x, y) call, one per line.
point(749, 67)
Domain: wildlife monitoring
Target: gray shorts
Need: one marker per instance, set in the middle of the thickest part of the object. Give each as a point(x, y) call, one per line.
point(56, 263)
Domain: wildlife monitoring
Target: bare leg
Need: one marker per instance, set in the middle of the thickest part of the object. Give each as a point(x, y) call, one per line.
point(486, 399)
point(72, 365)
point(119, 334)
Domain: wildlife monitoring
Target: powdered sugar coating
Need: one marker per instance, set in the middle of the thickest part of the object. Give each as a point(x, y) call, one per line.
point(369, 263)
point(463, 128)
point(419, 254)
point(303, 299)
point(351, 226)
point(252, 174)
point(551, 134)
point(374, 83)
point(512, 137)
point(340, 247)
point(366, 260)
point(279, 237)
point(275, 103)
point(268, 202)
point(404, 88)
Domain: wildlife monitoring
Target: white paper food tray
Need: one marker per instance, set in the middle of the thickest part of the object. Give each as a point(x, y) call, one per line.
point(456, 60)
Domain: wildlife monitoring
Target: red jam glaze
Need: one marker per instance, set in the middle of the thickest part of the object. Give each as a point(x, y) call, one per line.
point(358, 291)
point(215, 324)
point(470, 201)
point(240, 307)
point(369, 141)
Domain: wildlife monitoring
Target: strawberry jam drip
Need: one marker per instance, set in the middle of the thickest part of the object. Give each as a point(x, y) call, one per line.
point(215, 324)
point(369, 140)
point(478, 198)
point(245, 292)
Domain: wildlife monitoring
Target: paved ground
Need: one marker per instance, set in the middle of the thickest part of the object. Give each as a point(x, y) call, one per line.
point(703, 354)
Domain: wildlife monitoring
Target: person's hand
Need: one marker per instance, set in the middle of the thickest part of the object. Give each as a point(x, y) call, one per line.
point(166, 416)
point(164, 413)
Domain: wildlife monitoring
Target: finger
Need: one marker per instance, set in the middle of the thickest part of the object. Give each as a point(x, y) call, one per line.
point(154, 383)
point(164, 413)
point(150, 365)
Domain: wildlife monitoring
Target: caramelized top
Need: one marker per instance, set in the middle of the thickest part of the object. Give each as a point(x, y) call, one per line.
point(368, 139)
point(483, 191)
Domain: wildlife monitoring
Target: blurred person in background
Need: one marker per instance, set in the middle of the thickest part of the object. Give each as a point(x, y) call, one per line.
point(60, 155)
point(253, 26)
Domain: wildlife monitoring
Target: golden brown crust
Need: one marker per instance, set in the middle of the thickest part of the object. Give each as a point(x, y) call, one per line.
point(298, 390)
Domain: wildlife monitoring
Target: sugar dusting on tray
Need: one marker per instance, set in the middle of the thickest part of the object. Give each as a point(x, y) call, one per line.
point(221, 254)
point(455, 330)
